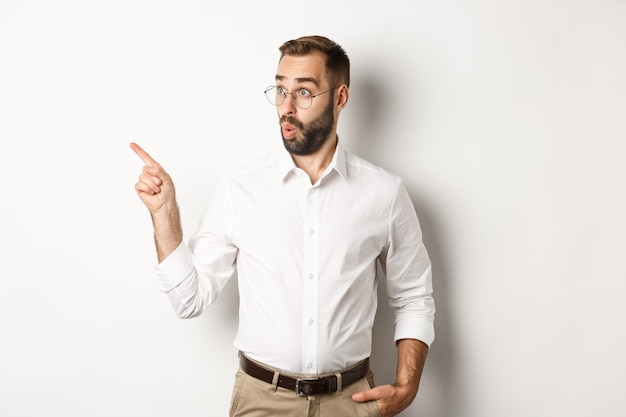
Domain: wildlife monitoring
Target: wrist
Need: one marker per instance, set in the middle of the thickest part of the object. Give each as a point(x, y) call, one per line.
point(408, 388)
point(166, 215)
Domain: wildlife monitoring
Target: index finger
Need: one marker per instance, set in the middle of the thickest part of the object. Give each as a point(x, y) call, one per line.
point(147, 159)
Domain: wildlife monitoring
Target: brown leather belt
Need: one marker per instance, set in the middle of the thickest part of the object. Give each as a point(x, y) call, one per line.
point(305, 385)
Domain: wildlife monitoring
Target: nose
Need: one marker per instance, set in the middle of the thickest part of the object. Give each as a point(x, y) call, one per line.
point(288, 107)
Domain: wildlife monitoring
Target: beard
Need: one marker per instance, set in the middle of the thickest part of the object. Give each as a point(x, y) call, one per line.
point(313, 136)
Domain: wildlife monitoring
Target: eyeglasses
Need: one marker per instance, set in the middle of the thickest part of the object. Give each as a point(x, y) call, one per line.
point(302, 97)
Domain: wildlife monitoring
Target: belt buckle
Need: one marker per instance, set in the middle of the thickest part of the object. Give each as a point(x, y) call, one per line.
point(299, 381)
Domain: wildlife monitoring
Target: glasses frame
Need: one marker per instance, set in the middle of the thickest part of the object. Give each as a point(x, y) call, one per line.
point(293, 94)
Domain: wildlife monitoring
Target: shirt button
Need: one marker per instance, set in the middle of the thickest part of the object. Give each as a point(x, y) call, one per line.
point(311, 276)
point(311, 231)
point(309, 365)
point(310, 322)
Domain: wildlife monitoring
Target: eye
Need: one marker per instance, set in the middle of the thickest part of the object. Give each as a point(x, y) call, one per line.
point(303, 92)
point(281, 90)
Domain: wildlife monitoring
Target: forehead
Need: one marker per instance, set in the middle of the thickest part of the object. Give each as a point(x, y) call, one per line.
point(310, 67)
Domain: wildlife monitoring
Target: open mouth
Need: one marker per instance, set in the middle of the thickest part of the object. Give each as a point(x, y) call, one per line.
point(289, 131)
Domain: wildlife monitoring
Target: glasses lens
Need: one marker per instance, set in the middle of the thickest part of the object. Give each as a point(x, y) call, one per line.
point(304, 99)
point(274, 96)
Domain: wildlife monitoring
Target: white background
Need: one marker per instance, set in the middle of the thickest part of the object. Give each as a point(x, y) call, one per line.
point(507, 120)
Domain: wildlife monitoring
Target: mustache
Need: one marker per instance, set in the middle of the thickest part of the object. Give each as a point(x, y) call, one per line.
point(291, 121)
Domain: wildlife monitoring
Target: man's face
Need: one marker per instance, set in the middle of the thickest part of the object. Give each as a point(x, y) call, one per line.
point(304, 131)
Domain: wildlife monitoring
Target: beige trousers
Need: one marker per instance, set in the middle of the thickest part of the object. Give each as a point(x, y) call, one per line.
point(254, 398)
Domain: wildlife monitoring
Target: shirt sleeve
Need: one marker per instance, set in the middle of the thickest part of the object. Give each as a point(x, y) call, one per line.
point(195, 273)
point(408, 271)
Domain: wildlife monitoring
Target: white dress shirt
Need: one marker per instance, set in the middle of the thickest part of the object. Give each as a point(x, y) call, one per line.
point(305, 257)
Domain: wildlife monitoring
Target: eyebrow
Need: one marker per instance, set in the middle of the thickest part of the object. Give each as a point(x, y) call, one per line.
point(300, 80)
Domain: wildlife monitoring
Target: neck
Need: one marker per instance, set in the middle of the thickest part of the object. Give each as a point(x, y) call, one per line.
point(316, 163)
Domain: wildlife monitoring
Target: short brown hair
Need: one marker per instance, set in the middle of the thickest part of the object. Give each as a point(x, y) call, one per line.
point(337, 62)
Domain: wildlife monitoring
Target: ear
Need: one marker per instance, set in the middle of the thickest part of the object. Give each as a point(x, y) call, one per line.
point(341, 99)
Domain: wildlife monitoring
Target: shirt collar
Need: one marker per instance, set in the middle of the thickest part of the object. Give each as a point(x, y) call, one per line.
point(286, 165)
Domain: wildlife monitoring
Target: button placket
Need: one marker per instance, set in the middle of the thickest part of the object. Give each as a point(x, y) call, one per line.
point(310, 284)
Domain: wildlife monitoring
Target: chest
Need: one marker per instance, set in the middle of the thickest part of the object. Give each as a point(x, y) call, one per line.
point(339, 221)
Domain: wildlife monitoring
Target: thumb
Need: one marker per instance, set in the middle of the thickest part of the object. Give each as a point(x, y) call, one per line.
point(369, 395)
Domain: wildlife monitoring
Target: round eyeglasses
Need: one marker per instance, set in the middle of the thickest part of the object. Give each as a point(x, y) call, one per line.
point(302, 97)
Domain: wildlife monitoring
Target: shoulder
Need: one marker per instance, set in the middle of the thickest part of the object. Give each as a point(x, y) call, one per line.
point(360, 168)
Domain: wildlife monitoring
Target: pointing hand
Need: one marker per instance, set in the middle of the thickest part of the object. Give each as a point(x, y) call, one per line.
point(154, 187)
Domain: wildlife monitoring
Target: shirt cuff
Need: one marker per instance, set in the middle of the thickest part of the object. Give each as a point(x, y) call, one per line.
point(420, 329)
point(173, 269)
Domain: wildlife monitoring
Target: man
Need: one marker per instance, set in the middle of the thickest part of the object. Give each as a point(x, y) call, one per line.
point(304, 229)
